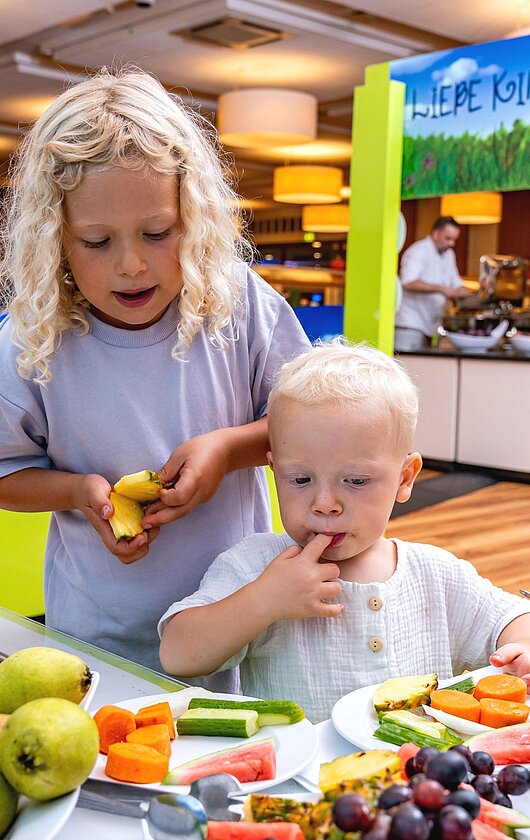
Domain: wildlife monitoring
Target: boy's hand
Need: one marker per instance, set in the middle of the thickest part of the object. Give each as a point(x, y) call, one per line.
point(198, 466)
point(93, 501)
point(294, 584)
point(515, 659)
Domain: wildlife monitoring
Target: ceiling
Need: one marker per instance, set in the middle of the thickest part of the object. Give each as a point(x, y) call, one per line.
point(324, 49)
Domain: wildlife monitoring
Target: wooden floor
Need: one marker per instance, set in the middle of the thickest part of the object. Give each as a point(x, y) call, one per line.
point(425, 473)
point(490, 528)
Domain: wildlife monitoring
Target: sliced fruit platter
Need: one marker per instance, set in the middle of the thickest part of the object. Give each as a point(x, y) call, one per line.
point(485, 705)
point(171, 740)
point(419, 793)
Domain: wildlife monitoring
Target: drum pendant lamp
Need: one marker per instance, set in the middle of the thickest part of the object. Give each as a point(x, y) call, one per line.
point(307, 184)
point(256, 117)
point(479, 208)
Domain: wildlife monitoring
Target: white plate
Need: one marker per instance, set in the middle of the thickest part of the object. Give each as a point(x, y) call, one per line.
point(355, 719)
point(86, 702)
point(42, 820)
point(296, 745)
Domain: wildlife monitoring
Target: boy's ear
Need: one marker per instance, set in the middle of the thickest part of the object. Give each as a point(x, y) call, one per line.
point(409, 473)
point(269, 460)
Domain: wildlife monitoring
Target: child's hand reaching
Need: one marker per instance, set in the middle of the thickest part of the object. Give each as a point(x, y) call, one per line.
point(93, 501)
point(294, 585)
point(515, 659)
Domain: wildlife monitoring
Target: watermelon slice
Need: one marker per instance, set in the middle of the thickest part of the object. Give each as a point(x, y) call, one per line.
point(254, 762)
point(406, 751)
point(255, 831)
point(502, 818)
point(506, 745)
point(481, 831)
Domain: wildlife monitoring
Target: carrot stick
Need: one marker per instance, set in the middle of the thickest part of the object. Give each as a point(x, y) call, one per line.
point(498, 713)
point(114, 724)
point(155, 736)
point(501, 687)
point(136, 763)
point(157, 713)
point(456, 703)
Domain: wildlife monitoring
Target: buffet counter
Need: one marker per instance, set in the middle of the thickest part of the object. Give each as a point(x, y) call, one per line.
point(474, 407)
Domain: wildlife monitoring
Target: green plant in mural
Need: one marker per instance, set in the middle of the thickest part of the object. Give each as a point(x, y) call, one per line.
point(440, 163)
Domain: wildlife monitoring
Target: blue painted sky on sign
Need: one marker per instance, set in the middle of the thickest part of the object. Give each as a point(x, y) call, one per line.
point(473, 89)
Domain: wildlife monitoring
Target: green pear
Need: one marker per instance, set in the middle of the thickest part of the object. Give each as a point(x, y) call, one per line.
point(42, 672)
point(48, 747)
point(8, 805)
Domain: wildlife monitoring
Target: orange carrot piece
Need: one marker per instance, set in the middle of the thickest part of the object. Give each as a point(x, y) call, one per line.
point(157, 713)
point(456, 703)
point(136, 763)
point(501, 687)
point(155, 736)
point(498, 713)
point(114, 724)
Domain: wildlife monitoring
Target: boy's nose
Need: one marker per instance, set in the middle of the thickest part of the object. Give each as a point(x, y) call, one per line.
point(327, 504)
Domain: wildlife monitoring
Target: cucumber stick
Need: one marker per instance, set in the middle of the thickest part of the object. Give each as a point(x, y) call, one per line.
point(467, 685)
point(270, 712)
point(229, 723)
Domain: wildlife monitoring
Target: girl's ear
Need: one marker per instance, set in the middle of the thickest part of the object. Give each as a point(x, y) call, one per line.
point(409, 472)
point(269, 460)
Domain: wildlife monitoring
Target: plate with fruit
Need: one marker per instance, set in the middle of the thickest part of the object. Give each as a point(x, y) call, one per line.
point(167, 741)
point(422, 710)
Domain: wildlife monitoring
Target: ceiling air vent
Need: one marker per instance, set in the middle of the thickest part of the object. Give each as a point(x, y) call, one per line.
point(233, 33)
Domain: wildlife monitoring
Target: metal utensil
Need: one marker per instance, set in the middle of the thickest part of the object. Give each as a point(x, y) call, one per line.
point(215, 792)
point(120, 790)
point(525, 593)
point(169, 816)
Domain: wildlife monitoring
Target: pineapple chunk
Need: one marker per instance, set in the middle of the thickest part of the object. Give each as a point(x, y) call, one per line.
point(360, 770)
point(404, 692)
point(126, 521)
point(142, 486)
point(315, 819)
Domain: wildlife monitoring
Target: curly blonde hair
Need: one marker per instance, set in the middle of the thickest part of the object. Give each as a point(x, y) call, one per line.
point(355, 376)
point(124, 118)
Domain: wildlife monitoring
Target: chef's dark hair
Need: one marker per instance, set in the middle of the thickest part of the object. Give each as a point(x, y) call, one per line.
point(442, 221)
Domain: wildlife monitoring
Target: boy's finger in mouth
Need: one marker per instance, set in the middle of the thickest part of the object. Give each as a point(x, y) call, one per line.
point(336, 538)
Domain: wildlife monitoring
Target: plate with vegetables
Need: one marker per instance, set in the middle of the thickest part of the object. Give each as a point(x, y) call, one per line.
point(481, 704)
point(168, 741)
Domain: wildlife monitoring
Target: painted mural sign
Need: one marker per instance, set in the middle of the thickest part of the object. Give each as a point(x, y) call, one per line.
point(467, 119)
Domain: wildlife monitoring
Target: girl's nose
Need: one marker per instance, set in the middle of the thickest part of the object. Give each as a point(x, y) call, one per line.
point(131, 262)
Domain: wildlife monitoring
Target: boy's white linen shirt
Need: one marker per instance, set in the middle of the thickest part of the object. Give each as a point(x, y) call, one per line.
point(437, 615)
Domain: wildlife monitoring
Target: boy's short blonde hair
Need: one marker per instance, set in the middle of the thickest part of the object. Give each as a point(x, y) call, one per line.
point(356, 376)
point(124, 118)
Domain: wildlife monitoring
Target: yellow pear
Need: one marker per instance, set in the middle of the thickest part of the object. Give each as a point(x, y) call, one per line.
point(42, 672)
point(8, 805)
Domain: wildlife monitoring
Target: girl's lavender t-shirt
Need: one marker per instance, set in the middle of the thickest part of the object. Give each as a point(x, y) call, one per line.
point(118, 403)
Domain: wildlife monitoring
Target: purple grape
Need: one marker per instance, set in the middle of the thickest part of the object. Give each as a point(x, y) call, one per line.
point(454, 823)
point(380, 828)
point(422, 758)
point(503, 799)
point(514, 779)
point(486, 786)
point(464, 751)
point(481, 763)
point(352, 812)
point(419, 777)
point(429, 795)
point(410, 768)
point(408, 823)
point(449, 768)
point(467, 799)
point(394, 795)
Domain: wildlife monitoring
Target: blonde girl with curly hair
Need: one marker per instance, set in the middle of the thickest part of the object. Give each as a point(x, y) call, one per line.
point(137, 338)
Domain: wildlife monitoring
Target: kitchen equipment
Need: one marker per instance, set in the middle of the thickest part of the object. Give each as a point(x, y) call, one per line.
point(466, 341)
point(214, 792)
point(169, 816)
point(519, 341)
point(502, 277)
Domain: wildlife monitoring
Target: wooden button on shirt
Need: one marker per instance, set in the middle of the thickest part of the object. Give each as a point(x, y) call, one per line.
point(375, 602)
point(375, 644)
